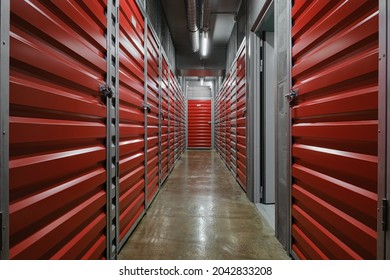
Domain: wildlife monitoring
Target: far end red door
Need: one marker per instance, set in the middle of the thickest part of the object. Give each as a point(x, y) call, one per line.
point(199, 124)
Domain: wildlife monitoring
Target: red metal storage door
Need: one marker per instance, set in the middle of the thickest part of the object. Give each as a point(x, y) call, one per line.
point(57, 130)
point(223, 122)
point(131, 119)
point(164, 119)
point(241, 118)
point(335, 129)
point(182, 123)
point(227, 120)
point(171, 118)
point(199, 123)
point(153, 54)
point(175, 121)
point(217, 123)
point(233, 120)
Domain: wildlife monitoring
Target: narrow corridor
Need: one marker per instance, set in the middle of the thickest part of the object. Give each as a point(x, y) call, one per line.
point(202, 213)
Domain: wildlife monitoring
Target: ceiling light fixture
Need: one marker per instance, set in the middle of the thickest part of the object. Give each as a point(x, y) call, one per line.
point(204, 48)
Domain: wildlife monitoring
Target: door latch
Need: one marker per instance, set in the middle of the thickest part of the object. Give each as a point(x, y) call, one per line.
point(106, 90)
point(292, 95)
point(147, 108)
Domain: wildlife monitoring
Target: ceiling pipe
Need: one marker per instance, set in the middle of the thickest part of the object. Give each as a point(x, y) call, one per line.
point(192, 25)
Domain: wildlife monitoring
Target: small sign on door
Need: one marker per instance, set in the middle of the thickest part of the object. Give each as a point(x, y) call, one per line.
point(198, 105)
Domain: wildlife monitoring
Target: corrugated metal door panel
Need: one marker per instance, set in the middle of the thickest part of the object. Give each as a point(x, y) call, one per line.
point(335, 129)
point(233, 119)
point(164, 121)
point(57, 130)
point(199, 123)
point(223, 122)
point(227, 118)
point(175, 119)
point(183, 122)
point(131, 118)
point(241, 118)
point(172, 102)
point(153, 54)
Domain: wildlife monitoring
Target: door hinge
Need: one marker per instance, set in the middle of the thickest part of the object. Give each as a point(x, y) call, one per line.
point(385, 209)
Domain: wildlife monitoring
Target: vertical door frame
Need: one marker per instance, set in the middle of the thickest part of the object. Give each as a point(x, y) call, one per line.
point(160, 80)
point(383, 244)
point(4, 128)
point(386, 117)
point(186, 106)
point(283, 49)
point(254, 117)
point(212, 91)
point(112, 129)
point(146, 26)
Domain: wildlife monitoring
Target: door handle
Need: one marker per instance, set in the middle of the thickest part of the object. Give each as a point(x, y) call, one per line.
point(147, 108)
point(292, 95)
point(106, 90)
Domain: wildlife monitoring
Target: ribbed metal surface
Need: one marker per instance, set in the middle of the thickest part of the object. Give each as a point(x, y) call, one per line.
point(171, 118)
point(227, 104)
point(57, 130)
point(153, 54)
point(131, 115)
point(182, 121)
point(164, 119)
point(335, 129)
point(199, 123)
point(217, 125)
point(241, 117)
point(232, 96)
point(175, 117)
point(222, 117)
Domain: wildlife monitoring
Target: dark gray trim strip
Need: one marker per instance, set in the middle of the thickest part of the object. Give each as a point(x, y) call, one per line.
point(4, 126)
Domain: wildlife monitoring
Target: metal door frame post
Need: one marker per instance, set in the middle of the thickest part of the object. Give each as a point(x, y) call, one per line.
point(112, 150)
point(4, 128)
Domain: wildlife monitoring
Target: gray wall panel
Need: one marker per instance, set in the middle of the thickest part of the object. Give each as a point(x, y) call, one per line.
point(283, 50)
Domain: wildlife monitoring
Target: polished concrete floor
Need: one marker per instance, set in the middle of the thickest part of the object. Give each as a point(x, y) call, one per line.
point(201, 213)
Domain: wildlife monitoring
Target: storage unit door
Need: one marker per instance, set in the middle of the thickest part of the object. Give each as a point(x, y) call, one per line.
point(171, 118)
point(164, 119)
point(182, 123)
point(217, 124)
point(335, 129)
point(57, 151)
point(199, 123)
point(176, 121)
point(153, 54)
point(233, 120)
point(131, 119)
point(223, 123)
point(227, 119)
point(241, 119)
